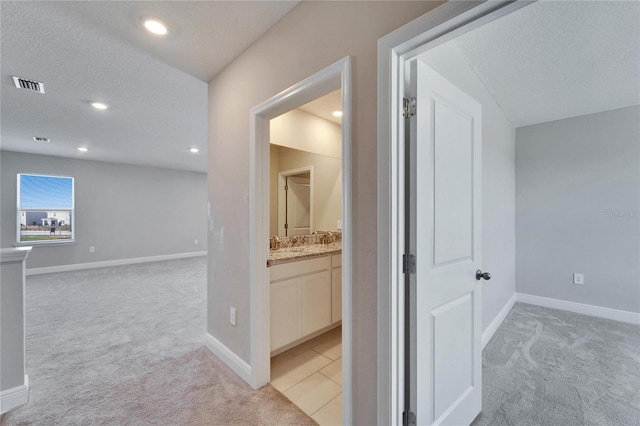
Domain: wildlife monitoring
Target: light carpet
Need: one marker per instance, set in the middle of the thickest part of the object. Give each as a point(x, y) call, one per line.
point(549, 367)
point(124, 346)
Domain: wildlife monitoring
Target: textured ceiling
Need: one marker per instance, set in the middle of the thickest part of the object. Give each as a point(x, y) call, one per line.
point(558, 59)
point(204, 36)
point(86, 51)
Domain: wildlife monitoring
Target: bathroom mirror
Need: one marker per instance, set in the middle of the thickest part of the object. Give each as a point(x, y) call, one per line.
point(306, 192)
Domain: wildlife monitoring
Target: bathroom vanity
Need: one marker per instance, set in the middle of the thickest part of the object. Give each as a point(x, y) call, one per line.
point(305, 293)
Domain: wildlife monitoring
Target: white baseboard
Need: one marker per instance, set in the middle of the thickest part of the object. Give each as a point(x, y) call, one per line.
point(116, 262)
point(232, 360)
point(491, 329)
point(581, 308)
point(14, 397)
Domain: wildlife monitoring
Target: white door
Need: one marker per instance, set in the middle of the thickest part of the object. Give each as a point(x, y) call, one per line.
point(298, 206)
point(445, 148)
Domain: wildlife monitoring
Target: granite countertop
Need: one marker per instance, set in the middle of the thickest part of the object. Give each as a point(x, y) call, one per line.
point(290, 254)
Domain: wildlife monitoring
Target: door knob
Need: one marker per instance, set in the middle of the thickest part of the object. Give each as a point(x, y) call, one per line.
point(482, 275)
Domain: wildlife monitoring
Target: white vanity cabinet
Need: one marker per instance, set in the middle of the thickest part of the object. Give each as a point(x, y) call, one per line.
point(286, 324)
point(315, 303)
point(336, 288)
point(302, 300)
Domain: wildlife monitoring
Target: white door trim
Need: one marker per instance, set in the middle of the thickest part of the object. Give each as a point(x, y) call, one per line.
point(281, 197)
point(394, 50)
point(335, 76)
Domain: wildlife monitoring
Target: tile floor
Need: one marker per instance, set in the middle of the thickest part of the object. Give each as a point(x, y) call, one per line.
point(310, 375)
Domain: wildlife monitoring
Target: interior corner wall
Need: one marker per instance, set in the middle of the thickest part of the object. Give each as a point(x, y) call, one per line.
point(577, 204)
point(311, 37)
point(124, 211)
point(498, 181)
point(327, 185)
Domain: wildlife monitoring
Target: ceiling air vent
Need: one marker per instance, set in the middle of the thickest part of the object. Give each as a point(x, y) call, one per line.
point(23, 83)
point(42, 140)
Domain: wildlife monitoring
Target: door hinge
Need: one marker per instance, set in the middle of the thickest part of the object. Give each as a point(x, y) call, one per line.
point(408, 264)
point(286, 226)
point(286, 187)
point(408, 418)
point(408, 107)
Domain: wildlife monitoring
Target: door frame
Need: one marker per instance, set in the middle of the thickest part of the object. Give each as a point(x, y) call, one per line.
point(335, 76)
point(440, 25)
point(281, 197)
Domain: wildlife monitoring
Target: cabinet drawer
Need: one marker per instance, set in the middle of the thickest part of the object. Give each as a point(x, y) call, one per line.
point(301, 267)
point(336, 260)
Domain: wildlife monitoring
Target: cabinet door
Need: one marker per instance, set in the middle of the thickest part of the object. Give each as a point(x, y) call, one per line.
point(336, 294)
point(285, 313)
point(316, 301)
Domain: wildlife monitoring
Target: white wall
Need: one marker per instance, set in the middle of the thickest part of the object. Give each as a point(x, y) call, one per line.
point(124, 211)
point(327, 185)
point(311, 37)
point(498, 181)
point(298, 129)
point(578, 202)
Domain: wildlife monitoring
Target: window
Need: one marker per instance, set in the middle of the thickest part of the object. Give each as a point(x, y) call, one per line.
point(45, 209)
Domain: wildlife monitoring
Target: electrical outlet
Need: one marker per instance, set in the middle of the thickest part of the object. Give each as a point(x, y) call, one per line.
point(339, 224)
point(195, 242)
point(232, 316)
point(578, 279)
point(92, 249)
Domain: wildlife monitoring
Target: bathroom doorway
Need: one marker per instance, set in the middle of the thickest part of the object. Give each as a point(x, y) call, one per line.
point(301, 284)
point(305, 257)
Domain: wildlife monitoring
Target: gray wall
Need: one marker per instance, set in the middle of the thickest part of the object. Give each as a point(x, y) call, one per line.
point(124, 211)
point(498, 181)
point(311, 37)
point(11, 325)
point(570, 176)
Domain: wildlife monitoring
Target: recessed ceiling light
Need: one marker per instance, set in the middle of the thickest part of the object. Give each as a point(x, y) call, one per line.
point(194, 150)
point(337, 113)
point(83, 149)
point(99, 105)
point(154, 26)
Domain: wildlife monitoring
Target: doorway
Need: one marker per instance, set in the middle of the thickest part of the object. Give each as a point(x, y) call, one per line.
point(332, 78)
point(527, 148)
point(398, 269)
